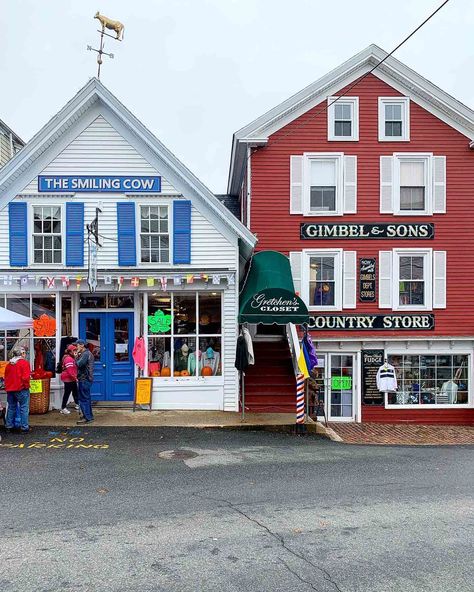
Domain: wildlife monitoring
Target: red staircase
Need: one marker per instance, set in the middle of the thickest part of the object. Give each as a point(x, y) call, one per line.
point(270, 385)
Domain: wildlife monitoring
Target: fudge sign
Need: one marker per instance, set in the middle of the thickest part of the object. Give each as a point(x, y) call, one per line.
point(361, 231)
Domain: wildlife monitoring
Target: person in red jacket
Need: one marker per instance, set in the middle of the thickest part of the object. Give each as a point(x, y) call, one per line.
point(17, 385)
point(69, 377)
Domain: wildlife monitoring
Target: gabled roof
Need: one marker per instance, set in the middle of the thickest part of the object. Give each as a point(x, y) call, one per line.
point(392, 71)
point(63, 127)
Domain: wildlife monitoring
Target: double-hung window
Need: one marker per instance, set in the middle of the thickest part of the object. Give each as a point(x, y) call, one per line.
point(394, 119)
point(413, 185)
point(343, 118)
point(323, 185)
point(322, 279)
point(413, 279)
point(47, 238)
point(154, 234)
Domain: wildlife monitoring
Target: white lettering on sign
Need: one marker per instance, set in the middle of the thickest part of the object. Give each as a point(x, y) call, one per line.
point(274, 304)
point(376, 322)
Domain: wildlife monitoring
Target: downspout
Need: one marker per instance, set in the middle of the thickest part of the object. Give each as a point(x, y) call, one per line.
point(249, 181)
point(11, 146)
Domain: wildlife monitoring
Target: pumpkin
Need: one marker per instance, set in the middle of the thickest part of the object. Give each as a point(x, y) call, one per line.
point(206, 371)
point(184, 373)
point(177, 373)
point(166, 371)
point(156, 373)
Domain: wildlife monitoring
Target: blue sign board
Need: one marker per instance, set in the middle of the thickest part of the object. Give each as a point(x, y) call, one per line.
point(102, 184)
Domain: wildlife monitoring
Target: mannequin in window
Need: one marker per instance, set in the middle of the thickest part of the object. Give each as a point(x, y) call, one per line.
point(211, 359)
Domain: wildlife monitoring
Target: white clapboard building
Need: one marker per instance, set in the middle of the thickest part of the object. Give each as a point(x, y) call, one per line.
point(107, 236)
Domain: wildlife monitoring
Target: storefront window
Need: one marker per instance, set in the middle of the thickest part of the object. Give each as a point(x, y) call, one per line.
point(438, 379)
point(66, 316)
point(184, 334)
point(43, 312)
point(93, 301)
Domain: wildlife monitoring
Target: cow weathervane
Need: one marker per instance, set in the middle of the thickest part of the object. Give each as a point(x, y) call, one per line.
point(106, 23)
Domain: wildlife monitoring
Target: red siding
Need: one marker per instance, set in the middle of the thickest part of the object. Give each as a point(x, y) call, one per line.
point(454, 231)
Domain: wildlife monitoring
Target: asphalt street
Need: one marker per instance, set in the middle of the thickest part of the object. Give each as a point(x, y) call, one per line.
point(168, 509)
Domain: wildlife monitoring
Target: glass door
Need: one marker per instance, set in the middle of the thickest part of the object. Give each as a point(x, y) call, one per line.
point(340, 387)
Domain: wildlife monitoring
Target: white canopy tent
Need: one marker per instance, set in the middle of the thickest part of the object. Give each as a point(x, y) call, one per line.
point(13, 320)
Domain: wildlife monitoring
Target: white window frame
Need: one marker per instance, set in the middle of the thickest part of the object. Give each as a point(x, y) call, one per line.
point(354, 104)
point(427, 159)
point(338, 277)
point(427, 255)
point(32, 234)
point(169, 205)
point(405, 104)
point(338, 158)
point(425, 352)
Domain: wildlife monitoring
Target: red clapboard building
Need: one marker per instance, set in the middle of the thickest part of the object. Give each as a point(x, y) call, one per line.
point(371, 198)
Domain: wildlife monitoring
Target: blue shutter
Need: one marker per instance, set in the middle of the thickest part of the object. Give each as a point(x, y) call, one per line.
point(127, 248)
point(18, 221)
point(75, 234)
point(182, 231)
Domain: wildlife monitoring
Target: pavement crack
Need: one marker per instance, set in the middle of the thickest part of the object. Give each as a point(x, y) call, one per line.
point(326, 575)
point(297, 575)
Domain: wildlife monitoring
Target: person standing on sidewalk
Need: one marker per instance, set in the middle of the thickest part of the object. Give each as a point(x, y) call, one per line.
point(17, 386)
point(85, 377)
point(69, 377)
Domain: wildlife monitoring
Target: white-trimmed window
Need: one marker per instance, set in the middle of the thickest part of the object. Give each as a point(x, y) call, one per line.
point(323, 184)
point(394, 119)
point(428, 379)
point(412, 184)
point(154, 234)
point(327, 278)
point(47, 237)
point(343, 119)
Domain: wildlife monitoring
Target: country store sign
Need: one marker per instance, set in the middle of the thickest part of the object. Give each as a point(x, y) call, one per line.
point(102, 184)
point(358, 231)
point(365, 322)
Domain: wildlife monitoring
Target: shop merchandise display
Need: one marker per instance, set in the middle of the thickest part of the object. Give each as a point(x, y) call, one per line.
point(386, 378)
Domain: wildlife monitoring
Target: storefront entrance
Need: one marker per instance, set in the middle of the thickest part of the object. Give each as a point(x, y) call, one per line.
point(110, 338)
point(334, 387)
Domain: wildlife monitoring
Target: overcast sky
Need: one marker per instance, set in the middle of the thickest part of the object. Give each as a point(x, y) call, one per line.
point(195, 71)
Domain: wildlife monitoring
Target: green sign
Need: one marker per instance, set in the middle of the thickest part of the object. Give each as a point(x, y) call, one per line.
point(341, 383)
point(159, 322)
point(36, 386)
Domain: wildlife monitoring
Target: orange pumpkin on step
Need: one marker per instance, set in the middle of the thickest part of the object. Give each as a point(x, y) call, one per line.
point(177, 373)
point(206, 371)
point(166, 371)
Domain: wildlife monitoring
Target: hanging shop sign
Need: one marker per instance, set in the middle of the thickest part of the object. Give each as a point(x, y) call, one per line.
point(372, 359)
point(367, 280)
point(102, 184)
point(364, 322)
point(358, 231)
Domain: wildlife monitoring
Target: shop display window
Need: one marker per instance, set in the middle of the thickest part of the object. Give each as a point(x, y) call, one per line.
point(184, 334)
point(438, 379)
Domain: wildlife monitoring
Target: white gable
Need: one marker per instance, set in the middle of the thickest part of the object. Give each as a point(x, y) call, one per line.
point(100, 150)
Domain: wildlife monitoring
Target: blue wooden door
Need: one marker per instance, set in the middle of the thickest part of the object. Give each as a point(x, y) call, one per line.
point(110, 338)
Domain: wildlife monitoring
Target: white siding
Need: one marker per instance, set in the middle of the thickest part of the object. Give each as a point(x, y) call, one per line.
point(230, 339)
point(100, 149)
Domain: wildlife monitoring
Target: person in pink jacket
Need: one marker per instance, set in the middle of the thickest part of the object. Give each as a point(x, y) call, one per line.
point(69, 377)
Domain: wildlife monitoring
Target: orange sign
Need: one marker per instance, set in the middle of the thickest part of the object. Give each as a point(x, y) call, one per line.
point(44, 326)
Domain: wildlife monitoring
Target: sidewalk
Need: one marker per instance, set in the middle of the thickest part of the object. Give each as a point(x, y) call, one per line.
point(190, 419)
point(402, 434)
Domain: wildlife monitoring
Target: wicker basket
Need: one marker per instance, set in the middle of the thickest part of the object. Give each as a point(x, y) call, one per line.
point(39, 402)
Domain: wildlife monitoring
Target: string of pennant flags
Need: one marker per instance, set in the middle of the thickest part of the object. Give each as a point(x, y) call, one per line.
point(162, 281)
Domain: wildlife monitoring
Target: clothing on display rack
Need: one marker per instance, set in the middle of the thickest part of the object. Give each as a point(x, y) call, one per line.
point(241, 354)
point(210, 359)
point(386, 378)
point(139, 352)
point(248, 341)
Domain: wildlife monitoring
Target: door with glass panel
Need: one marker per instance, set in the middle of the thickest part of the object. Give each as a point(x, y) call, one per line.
point(109, 337)
point(340, 387)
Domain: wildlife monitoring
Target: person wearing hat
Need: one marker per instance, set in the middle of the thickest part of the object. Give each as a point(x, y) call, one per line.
point(85, 377)
point(69, 377)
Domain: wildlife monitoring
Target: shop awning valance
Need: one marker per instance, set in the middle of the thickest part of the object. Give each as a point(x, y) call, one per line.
point(268, 295)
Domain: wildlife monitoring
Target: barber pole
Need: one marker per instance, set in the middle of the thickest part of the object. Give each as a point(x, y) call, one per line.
point(300, 399)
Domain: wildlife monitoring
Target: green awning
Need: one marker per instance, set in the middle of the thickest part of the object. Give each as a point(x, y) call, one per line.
point(268, 295)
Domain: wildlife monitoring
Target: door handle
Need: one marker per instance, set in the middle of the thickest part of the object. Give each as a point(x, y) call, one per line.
point(103, 365)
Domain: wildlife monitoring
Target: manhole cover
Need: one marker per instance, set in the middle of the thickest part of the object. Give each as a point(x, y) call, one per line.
point(177, 454)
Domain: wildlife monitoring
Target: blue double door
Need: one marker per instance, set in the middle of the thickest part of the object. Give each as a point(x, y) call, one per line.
point(110, 338)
